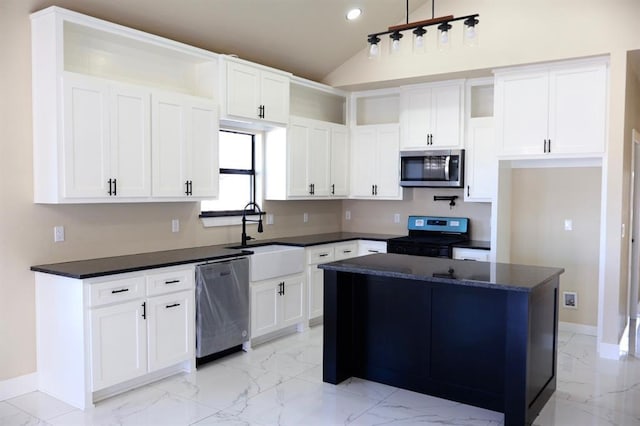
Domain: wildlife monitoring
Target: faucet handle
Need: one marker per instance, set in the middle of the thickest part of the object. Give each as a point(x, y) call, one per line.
point(249, 237)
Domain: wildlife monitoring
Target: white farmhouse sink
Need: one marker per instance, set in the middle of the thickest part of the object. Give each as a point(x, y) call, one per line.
point(274, 260)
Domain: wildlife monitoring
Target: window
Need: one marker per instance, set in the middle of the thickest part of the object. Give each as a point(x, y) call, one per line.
point(237, 152)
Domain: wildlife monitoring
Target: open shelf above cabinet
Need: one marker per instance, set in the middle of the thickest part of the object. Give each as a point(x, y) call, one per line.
point(101, 49)
point(318, 103)
point(377, 107)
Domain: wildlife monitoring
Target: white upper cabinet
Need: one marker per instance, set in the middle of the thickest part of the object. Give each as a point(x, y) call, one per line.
point(375, 162)
point(106, 139)
point(557, 110)
point(256, 93)
point(432, 115)
point(307, 160)
point(93, 85)
point(185, 147)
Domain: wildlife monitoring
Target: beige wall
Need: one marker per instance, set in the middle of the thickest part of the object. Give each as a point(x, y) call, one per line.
point(541, 200)
point(524, 32)
point(377, 216)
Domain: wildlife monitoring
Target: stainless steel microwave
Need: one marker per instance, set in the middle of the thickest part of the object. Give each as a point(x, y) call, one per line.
point(436, 169)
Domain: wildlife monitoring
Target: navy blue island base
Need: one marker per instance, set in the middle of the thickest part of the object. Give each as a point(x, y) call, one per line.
point(480, 333)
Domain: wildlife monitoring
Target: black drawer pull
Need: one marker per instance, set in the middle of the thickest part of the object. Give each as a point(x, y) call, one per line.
point(172, 282)
point(324, 254)
point(122, 290)
point(374, 251)
point(172, 306)
point(346, 251)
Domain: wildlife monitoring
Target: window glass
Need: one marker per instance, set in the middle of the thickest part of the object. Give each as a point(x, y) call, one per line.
point(237, 174)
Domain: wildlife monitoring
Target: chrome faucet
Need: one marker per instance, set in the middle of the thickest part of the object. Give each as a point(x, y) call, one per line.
point(245, 237)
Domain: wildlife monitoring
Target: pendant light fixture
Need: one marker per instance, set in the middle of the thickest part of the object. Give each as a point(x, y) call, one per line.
point(443, 25)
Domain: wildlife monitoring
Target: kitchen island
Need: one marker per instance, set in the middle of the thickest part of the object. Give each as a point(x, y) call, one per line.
point(480, 333)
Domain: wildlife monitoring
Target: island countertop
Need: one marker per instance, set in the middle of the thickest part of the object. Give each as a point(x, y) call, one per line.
point(459, 272)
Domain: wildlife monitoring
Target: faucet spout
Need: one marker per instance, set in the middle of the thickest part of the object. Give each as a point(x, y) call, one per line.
point(245, 237)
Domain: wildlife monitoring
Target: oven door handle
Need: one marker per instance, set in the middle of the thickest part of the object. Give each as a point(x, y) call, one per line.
point(447, 163)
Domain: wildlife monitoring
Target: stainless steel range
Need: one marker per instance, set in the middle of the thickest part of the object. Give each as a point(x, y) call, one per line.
point(431, 236)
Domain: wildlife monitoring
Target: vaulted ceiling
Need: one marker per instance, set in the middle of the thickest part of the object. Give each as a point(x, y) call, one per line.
point(309, 38)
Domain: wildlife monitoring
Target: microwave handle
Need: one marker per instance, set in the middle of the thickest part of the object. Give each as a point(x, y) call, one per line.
point(447, 163)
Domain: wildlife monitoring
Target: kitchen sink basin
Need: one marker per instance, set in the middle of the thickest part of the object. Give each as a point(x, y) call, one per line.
point(274, 260)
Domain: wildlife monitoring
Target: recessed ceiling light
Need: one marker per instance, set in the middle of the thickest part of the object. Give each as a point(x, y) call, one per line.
point(353, 14)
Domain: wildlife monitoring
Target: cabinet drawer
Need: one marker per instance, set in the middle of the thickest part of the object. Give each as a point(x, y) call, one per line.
point(320, 255)
point(370, 247)
point(116, 291)
point(346, 250)
point(460, 253)
point(169, 281)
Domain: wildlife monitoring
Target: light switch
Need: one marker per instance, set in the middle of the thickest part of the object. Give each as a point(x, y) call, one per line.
point(347, 215)
point(305, 217)
point(58, 234)
point(175, 225)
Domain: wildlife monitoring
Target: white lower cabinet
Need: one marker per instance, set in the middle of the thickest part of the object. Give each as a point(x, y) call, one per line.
point(120, 331)
point(315, 276)
point(276, 303)
point(371, 247)
point(460, 253)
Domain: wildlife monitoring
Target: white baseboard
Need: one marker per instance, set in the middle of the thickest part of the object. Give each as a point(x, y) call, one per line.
point(17, 386)
point(572, 327)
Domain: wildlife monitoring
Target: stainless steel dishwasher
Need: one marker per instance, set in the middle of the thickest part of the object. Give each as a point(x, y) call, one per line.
point(222, 308)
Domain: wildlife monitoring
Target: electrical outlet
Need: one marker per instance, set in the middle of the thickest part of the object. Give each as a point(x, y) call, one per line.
point(269, 218)
point(396, 218)
point(347, 215)
point(570, 299)
point(175, 225)
point(305, 217)
point(58, 234)
point(568, 225)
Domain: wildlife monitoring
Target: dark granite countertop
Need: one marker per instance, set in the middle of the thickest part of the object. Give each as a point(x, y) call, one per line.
point(501, 276)
point(82, 269)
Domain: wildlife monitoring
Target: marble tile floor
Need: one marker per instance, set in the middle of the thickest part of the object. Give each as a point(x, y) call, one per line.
point(280, 383)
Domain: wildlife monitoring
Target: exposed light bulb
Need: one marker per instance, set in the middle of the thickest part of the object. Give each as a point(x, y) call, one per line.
point(418, 40)
point(419, 43)
point(444, 37)
point(395, 42)
point(395, 46)
point(374, 51)
point(470, 31)
point(353, 14)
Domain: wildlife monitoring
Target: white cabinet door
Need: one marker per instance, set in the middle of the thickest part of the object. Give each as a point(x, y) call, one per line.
point(169, 145)
point(577, 110)
point(387, 165)
point(171, 329)
point(130, 141)
point(315, 278)
point(363, 159)
point(264, 312)
point(480, 160)
point(339, 161)
point(521, 107)
point(318, 158)
point(184, 147)
point(431, 116)
point(291, 302)
point(257, 94)
point(87, 155)
point(446, 116)
point(416, 117)
point(118, 344)
point(243, 90)
point(202, 150)
point(274, 94)
point(297, 153)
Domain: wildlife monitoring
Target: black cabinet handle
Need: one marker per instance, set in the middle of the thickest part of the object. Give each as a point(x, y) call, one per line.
point(375, 189)
point(144, 310)
point(468, 191)
point(324, 254)
point(189, 187)
point(172, 306)
point(115, 187)
point(545, 146)
point(373, 192)
point(346, 251)
point(333, 189)
point(122, 290)
point(261, 111)
point(549, 146)
point(110, 182)
point(283, 288)
point(172, 282)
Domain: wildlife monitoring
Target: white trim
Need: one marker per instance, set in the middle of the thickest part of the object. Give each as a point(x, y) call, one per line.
point(540, 163)
point(572, 327)
point(17, 386)
point(608, 350)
